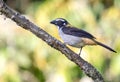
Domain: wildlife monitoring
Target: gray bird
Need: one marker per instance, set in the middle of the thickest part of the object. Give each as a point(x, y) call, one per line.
point(76, 37)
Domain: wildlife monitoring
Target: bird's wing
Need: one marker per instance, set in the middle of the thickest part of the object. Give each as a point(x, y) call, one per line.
point(77, 32)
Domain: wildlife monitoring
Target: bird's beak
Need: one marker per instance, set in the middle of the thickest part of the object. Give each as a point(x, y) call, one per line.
point(52, 22)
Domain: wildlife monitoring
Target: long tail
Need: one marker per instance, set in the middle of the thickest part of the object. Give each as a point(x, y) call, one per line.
point(103, 45)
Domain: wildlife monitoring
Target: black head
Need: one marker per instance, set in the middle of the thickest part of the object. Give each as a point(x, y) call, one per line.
point(59, 22)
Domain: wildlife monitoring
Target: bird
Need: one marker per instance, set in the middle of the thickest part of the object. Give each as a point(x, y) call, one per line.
point(75, 37)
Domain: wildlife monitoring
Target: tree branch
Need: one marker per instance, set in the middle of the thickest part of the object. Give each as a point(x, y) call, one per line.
point(20, 20)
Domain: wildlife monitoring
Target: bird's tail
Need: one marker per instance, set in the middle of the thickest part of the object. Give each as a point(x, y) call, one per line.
point(103, 45)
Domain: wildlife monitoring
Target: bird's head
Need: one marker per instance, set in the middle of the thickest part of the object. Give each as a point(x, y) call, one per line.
point(60, 22)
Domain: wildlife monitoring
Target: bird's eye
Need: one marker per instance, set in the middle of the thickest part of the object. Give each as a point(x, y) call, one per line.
point(56, 23)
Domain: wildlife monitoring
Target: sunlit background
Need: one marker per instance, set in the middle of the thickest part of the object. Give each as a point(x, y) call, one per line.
point(26, 58)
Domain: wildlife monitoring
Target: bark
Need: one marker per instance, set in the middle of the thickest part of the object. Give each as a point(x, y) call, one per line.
point(24, 23)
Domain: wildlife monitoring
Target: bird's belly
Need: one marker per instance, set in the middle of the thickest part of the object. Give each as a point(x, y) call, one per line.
point(72, 40)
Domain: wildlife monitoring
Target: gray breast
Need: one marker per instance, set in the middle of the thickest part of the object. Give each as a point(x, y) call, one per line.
point(71, 40)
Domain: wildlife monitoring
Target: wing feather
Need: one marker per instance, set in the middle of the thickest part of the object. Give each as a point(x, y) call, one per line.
point(77, 32)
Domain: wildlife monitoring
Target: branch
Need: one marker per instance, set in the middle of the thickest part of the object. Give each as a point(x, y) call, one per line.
point(20, 20)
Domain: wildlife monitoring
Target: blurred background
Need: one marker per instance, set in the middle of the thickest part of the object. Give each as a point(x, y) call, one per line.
point(26, 58)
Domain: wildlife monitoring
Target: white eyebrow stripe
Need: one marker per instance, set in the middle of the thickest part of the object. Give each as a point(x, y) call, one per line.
point(60, 20)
